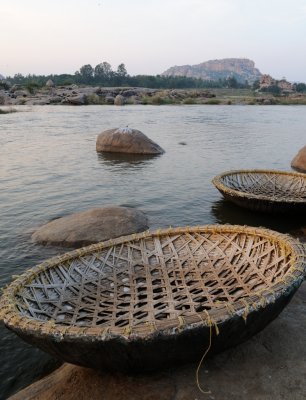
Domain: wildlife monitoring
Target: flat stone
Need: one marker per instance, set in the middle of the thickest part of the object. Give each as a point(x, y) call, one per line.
point(299, 161)
point(92, 226)
point(77, 100)
point(270, 366)
point(126, 140)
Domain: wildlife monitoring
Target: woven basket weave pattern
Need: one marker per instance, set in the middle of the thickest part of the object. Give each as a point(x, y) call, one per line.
point(156, 279)
point(268, 184)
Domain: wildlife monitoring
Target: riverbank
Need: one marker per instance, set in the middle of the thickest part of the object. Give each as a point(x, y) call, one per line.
point(78, 95)
point(269, 366)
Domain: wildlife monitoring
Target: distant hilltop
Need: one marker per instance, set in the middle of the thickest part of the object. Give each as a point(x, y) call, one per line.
point(242, 69)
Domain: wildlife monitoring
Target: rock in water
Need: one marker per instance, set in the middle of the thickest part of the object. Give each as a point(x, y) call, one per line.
point(91, 226)
point(299, 161)
point(126, 140)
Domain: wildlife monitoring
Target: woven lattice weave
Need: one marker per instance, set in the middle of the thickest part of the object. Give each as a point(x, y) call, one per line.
point(148, 282)
point(260, 189)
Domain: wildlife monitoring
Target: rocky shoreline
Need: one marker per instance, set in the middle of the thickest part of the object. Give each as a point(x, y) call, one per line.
point(86, 95)
point(75, 95)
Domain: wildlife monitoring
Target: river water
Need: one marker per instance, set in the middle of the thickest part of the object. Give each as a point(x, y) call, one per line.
point(49, 168)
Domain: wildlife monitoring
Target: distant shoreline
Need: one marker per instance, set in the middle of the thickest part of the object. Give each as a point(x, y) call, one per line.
point(88, 95)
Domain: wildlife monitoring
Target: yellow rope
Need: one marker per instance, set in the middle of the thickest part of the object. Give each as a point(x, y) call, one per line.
point(181, 322)
point(127, 330)
point(246, 311)
point(151, 325)
point(202, 359)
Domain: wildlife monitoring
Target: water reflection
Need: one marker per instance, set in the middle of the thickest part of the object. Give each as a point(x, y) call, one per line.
point(228, 213)
point(126, 160)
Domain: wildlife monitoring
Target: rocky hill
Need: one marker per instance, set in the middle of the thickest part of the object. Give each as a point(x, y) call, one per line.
point(241, 68)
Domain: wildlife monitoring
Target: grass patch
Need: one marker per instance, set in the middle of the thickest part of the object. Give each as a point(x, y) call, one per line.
point(160, 100)
point(213, 101)
point(95, 99)
point(189, 100)
point(291, 102)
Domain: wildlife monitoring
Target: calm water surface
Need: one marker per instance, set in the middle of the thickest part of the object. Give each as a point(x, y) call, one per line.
point(49, 168)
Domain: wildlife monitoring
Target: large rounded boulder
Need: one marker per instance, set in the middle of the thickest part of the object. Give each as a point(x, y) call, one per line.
point(92, 226)
point(299, 161)
point(126, 140)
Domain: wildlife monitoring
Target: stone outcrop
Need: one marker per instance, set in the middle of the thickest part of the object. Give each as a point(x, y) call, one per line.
point(77, 99)
point(91, 226)
point(83, 95)
point(119, 100)
point(270, 366)
point(266, 82)
point(126, 140)
point(241, 68)
point(50, 83)
point(299, 161)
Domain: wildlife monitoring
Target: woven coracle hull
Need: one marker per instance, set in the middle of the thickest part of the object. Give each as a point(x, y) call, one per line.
point(159, 351)
point(264, 190)
point(152, 300)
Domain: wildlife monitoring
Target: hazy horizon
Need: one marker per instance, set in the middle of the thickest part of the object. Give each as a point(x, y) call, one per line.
point(60, 36)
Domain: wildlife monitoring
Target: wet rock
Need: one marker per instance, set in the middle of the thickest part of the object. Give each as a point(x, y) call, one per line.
point(299, 161)
point(91, 226)
point(126, 140)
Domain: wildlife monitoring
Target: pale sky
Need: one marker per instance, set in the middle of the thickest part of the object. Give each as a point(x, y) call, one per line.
point(59, 36)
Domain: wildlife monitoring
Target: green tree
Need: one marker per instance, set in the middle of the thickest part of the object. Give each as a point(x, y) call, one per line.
point(86, 73)
point(103, 71)
point(232, 82)
point(256, 85)
point(300, 87)
point(121, 70)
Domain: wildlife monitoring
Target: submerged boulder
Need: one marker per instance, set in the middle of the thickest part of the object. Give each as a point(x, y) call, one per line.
point(299, 161)
point(91, 226)
point(126, 140)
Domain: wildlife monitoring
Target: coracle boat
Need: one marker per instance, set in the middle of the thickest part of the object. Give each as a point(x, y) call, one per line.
point(264, 190)
point(155, 299)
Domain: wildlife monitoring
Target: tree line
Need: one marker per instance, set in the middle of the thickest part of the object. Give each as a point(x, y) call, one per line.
point(103, 75)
